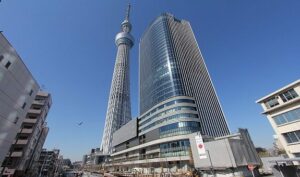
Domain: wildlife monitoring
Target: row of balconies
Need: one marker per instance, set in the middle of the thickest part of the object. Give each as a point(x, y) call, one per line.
point(27, 120)
point(35, 111)
point(20, 142)
point(39, 102)
point(139, 157)
point(17, 154)
point(26, 130)
point(281, 98)
point(32, 121)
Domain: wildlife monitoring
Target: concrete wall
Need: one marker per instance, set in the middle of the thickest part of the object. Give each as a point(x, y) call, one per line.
point(120, 147)
point(219, 154)
point(16, 83)
point(131, 143)
point(125, 133)
point(152, 135)
point(227, 152)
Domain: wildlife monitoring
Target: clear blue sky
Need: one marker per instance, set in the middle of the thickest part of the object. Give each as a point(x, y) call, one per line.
point(251, 48)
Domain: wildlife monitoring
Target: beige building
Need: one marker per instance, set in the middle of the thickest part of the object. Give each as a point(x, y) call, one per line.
point(282, 109)
point(17, 92)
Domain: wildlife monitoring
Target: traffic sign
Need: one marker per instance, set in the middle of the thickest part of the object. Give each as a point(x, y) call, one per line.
point(200, 147)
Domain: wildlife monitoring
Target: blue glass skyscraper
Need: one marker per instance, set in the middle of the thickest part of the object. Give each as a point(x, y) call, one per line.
point(181, 125)
point(171, 65)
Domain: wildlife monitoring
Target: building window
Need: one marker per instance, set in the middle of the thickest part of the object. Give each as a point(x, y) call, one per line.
point(27, 126)
point(288, 95)
point(167, 112)
point(165, 105)
point(22, 137)
point(7, 64)
point(36, 108)
point(18, 149)
point(142, 139)
point(177, 116)
point(272, 102)
point(175, 148)
point(297, 154)
point(32, 117)
point(16, 120)
point(292, 137)
point(31, 92)
point(287, 117)
point(1, 57)
point(179, 128)
point(24, 105)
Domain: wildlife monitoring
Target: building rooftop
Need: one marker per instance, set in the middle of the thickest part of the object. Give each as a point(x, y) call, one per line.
point(278, 91)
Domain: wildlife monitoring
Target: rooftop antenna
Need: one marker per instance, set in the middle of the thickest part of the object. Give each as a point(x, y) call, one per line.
point(127, 12)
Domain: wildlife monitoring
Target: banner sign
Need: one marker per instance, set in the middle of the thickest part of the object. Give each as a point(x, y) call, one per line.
point(200, 147)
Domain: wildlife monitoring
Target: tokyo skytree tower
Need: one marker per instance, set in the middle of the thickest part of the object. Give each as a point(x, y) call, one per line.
point(119, 107)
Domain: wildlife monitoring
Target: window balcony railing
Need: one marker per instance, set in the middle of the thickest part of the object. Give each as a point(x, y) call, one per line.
point(17, 154)
point(34, 111)
point(27, 120)
point(39, 102)
point(26, 130)
point(151, 156)
point(21, 142)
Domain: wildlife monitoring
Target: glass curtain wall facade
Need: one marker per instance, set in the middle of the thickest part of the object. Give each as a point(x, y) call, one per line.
point(175, 116)
point(159, 75)
point(171, 65)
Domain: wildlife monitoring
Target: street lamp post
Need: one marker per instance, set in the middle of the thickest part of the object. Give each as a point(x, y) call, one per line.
point(211, 165)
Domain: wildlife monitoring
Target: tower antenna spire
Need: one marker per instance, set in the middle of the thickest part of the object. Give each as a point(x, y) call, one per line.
point(128, 12)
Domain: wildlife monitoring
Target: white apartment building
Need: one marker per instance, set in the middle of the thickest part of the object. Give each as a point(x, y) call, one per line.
point(282, 109)
point(18, 89)
point(25, 151)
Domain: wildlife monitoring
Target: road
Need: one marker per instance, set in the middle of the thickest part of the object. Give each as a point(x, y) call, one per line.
point(91, 175)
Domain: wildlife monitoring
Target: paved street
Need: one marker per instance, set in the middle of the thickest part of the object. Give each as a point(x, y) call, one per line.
point(91, 175)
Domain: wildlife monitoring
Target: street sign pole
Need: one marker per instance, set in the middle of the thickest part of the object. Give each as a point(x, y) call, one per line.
point(211, 165)
point(252, 173)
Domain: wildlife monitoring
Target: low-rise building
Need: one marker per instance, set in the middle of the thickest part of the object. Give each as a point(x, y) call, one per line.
point(84, 159)
point(49, 163)
point(232, 154)
point(181, 153)
point(67, 164)
point(77, 165)
point(95, 157)
point(282, 109)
